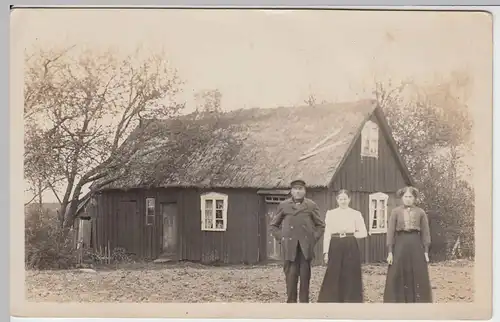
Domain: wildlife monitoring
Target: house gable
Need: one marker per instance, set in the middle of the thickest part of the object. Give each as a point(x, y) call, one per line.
point(383, 172)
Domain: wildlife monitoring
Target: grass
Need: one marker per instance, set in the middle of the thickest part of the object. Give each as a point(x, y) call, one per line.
point(451, 281)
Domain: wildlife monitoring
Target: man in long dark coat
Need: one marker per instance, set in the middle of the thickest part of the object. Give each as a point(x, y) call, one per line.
point(298, 226)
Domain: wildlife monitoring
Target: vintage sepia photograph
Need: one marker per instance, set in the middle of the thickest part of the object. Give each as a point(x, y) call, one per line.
point(258, 156)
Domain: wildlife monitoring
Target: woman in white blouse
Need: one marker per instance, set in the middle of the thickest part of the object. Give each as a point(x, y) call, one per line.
point(342, 282)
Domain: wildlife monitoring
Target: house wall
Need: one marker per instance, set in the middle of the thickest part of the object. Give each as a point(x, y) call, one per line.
point(363, 176)
point(323, 199)
point(366, 174)
point(240, 243)
point(121, 221)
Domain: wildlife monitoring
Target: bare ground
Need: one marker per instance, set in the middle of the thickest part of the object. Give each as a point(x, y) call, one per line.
point(452, 281)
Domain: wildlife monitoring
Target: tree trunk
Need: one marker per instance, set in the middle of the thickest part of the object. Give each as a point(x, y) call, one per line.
point(62, 213)
point(40, 191)
point(72, 207)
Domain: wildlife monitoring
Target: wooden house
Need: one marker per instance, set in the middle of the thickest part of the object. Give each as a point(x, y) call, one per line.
point(215, 204)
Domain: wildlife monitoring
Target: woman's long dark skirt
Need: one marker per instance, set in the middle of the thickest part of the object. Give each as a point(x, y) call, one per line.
point(342, 282)
point(408, 276)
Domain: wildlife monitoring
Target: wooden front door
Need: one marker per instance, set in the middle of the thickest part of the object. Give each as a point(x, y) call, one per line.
point(273, 247)
point(169, 239)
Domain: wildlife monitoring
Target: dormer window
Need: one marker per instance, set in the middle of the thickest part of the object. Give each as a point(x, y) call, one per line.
point(369, 140)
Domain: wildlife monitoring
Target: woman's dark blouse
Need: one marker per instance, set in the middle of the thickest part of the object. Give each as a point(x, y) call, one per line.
point(404, 218)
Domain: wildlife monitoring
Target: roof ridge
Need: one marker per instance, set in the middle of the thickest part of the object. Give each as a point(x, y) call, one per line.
point(270, 109)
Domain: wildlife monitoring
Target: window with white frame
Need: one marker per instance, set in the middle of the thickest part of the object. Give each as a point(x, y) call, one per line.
point(214, 211)
point(275, 199)
point(369, 140)
point(150, 211)
point(378, 213)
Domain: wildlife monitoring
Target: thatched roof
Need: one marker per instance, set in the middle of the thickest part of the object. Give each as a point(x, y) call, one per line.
point(253, 148)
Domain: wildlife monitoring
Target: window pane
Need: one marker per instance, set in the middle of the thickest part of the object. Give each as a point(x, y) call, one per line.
point(366, 146)
point(209, 218)
point(209, 223)
point(209, 204)
point(150, 206)
point(374, 204)
point(219, 224)
point(382, 219)
point(150, 203)
point(218, 214)
point(375, 219)
point(219, 204)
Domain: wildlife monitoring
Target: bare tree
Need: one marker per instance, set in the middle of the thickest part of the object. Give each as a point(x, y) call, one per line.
point(39, 171)
point(81, 105)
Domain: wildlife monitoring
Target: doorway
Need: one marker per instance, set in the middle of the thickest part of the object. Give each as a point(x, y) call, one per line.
point(169, 234)
point(273, 246)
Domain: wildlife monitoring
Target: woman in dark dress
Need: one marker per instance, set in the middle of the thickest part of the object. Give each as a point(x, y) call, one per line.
point(342, 282)
point(408, 240)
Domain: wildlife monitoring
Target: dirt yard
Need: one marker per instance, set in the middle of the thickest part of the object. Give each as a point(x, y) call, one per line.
point(451, 282)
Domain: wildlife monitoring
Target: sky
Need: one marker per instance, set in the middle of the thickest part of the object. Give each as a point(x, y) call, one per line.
point(268, 58)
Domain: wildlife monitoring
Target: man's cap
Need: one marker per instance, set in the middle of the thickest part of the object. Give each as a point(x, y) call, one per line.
point(298, 182)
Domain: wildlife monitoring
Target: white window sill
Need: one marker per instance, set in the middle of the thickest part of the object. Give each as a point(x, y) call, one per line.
point(376, 232)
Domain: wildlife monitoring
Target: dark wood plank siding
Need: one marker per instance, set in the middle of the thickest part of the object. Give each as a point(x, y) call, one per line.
point(366, 174)
point(320, 196)
point(116, 225)
point(240, 243)
point(262, 231)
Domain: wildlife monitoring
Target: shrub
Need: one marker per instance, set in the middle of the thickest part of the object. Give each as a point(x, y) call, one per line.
point(451, 213)
point(120, 255)
point(47, 246)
